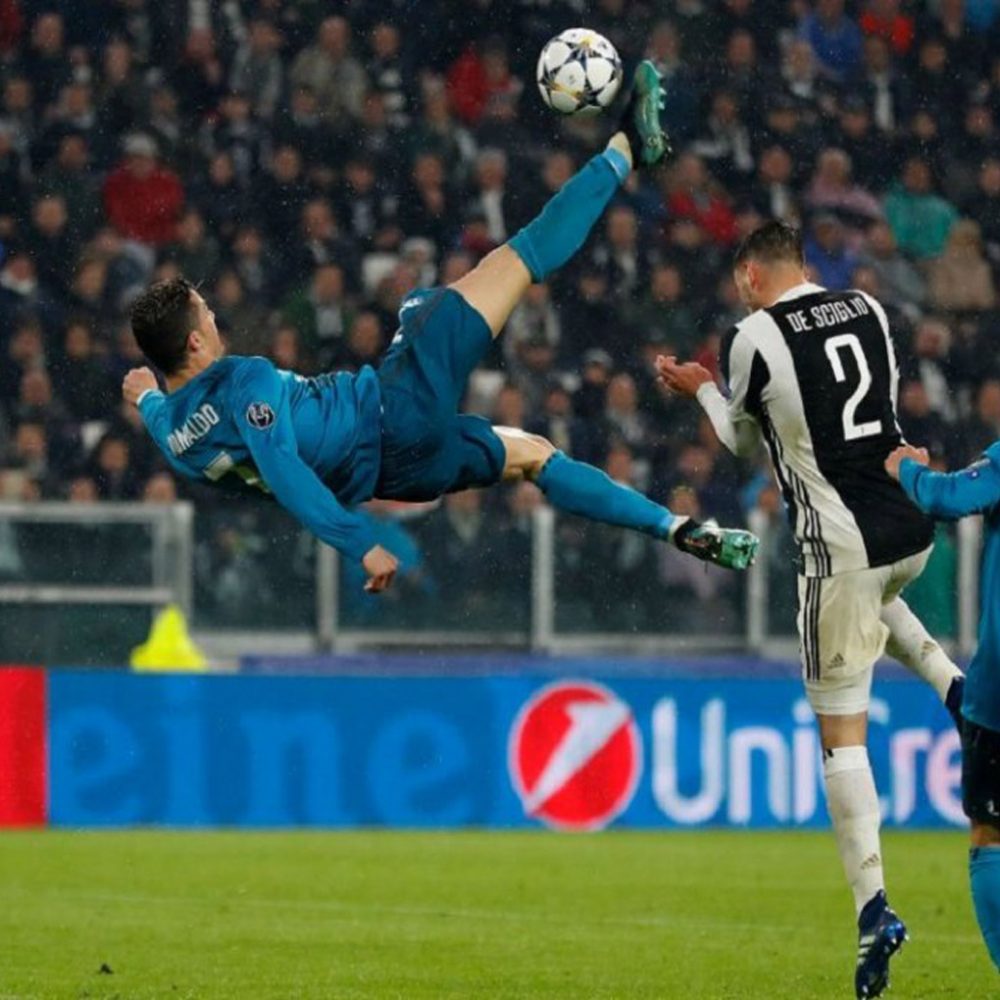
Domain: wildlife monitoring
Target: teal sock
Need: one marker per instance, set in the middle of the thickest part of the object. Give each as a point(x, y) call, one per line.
point(583, 489)
point(549, 240)
point(984, 873)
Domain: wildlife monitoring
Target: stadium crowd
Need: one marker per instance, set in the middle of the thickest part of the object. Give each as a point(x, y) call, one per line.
point(310, 161)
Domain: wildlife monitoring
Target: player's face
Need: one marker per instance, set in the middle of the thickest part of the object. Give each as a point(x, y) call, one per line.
point(745, 279)
point(207, 329)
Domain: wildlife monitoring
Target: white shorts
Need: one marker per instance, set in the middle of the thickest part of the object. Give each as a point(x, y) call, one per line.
point(842, 634)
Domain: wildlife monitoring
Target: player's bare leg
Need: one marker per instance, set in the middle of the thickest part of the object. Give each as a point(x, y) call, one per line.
point(588, 492)
point(852, 802)
point(497, 284)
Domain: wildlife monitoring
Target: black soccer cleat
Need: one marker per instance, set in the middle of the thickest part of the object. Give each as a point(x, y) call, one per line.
point(732, 548)
point(640, 120)
point(953, 701)
point(880, 935)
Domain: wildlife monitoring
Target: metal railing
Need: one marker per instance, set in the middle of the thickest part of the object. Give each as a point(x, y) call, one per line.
point(170, 556)
point(169, 567)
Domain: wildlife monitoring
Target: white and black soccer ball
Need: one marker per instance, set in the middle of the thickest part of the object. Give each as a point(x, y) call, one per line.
point(579, 72)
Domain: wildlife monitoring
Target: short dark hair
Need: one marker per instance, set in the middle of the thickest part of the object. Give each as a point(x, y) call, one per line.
point(162, 318)
point(772, 243)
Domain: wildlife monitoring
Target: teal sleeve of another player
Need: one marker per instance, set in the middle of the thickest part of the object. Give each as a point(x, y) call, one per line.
point(954, 494)
point(262, 413)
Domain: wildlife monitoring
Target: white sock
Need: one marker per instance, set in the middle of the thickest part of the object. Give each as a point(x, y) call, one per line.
point(852, 802)
point(619, 142)
point(911, 644)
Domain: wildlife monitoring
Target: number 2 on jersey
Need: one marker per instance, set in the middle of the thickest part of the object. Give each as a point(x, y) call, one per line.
point(852, 430)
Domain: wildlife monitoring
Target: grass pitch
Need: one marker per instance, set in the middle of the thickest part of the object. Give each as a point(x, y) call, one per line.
point(492, 915)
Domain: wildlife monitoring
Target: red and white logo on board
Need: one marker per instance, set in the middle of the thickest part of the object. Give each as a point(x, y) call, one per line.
point(575, 755)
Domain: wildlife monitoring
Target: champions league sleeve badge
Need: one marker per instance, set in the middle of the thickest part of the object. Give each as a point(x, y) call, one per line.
point(260, 415)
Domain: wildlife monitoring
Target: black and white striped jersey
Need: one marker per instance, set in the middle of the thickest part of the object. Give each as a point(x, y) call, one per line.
point(816, 374)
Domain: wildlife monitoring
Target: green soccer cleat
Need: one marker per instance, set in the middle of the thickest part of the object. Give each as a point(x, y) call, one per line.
point(729, 547)
point(640, 121)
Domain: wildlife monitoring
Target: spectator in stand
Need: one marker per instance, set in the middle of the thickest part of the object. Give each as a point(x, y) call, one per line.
point(828, 254)
point(814, 96)
point(111, 469)
point(365, 342)
point(368, 209)
point(428, 208)
point(773, 194)
point(902, 284)
point(46, 63)
point(81, 377)
point(930, 365)
point(937, 84)
point(143, 199)
point(257, 68)
point(493, 196)
point(834, 37)
point(219, 197)
point(329, 70)
point(199, 78)
point(884, 90)
point(234, 131)
point(195, 251)
point(624, 421)
point(389, 73)
point(984, 206)
point(921, 220)
point(694, 195)
point(51, 244)
point(871, 167)
point(285, 350)
point(120, 97)
point(885, 19)
point(321, 314)
point(961, 279)
point(304, 128)
point(438, 132)
point(241, 320)
point(69, 175)
point(619, 255)
point(831, 191)
point(481, 81)
point(725, 143)
point(663, 311)
point(280, 194)
point(983, 428)
point(947, 21)
point(557, 422)
point(920, 425)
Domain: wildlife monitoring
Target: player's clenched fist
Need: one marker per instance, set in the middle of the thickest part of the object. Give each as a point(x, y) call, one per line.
point(892, 463)
point(381, 567)
point(136, 382)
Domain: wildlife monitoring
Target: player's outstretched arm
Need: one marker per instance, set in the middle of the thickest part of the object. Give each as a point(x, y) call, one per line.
point(735, 428)
point(947, 494)
point(265, 424)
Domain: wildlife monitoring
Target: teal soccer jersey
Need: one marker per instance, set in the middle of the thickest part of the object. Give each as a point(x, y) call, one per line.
point(312, 443)
point(322, 445)
point(975, 490)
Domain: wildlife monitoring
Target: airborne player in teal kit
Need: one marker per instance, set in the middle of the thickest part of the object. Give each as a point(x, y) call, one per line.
point(323, 445)
point(975, 490)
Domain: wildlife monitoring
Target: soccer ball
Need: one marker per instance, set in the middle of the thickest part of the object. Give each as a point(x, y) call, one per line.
point(579, 72)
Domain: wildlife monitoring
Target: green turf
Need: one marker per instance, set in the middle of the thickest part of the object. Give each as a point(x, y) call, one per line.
point(493, 915)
